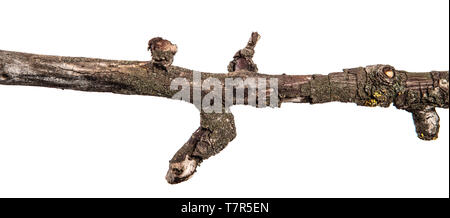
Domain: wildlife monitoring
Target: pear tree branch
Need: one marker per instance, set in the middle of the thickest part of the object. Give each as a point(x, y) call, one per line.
point(376, 85)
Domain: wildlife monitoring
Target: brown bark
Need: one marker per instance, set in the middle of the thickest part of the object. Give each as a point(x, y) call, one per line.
point(376, 85)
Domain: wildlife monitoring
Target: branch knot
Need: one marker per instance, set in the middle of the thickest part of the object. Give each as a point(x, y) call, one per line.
point(162, 51)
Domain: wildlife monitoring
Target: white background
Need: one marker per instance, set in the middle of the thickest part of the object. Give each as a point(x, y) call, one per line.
point(56, 143)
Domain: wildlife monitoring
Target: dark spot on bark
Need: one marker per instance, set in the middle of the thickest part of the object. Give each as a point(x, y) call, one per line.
point(241, 64)
point(4, 76)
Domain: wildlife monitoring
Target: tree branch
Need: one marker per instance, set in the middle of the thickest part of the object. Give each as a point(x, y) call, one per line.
point(375, 85)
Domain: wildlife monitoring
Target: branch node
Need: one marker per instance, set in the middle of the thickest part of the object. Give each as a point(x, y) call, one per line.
point(243, 59)
point(382, 85)
point(162, 51)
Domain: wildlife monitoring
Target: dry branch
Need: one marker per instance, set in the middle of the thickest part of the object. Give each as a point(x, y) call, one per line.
point(376, 85)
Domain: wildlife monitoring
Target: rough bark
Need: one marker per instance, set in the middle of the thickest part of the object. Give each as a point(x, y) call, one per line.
point(375, 85)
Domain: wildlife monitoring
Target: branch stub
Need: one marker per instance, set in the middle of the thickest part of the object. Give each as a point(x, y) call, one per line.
point(162, 51)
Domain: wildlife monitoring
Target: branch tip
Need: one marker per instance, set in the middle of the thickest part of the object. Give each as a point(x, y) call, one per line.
point(243, 59)
point(213, 135)
point(427, 123)
point(253, 40)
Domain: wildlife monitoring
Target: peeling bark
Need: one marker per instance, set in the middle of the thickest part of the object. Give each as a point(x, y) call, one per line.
point(375, 85)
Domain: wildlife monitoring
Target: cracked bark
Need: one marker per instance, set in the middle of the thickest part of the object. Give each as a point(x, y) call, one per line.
point(375, 85)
